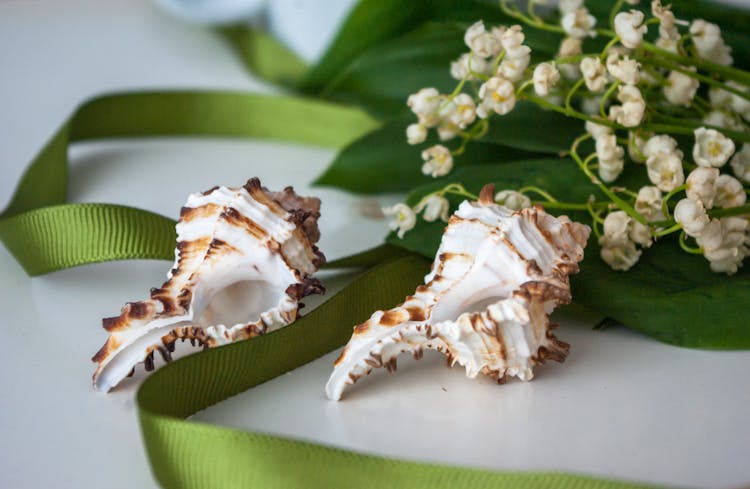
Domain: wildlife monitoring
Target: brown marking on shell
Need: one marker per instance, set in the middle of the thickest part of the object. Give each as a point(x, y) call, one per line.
point(416, 313)
point(532, 268)
point(218, 246)
point(131, 311)
point(362, 328)
point(308, 286)
point(233, 216)
point(107, 348)
point(211, 190)
point(391, 365)
point(187, 214)
point(341, 356)
point(487, 194)
point(543, 291)
point(393, 317)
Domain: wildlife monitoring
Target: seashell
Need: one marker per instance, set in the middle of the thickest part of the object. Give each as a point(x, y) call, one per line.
point(243, 261)
point(497, 277)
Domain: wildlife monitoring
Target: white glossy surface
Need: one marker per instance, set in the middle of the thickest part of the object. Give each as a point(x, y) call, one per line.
point(621, 406)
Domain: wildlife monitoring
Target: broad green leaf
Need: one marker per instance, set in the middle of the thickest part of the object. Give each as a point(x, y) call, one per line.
point(381, 161)
point(534, 129)
point(669, 295)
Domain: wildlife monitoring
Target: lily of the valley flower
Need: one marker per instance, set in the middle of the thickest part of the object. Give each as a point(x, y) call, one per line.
point(629, 26)
point(566, 6)
point(467, 63)
point(512, 41)
point(461, 111)
point(497, 95)
point(434, 207)
point(680, 88)
point(616, 226)
point(624, 69)
point(570, 46)
point(691, 215)
point(729, 192)
point(665, 170)
point(598, 130)
point(630, 113)
point(512, 67)
point(416, 133)
point(438, 161)
point(405, 218)
point(512, 199)
point(720, 118)
point(579, 23)
point(619, 255)
point(711, 148)
point(545, 77)
point(667, 29)
point(741, 163)
point(482, 43)
point(594, 74)
point(636, 144)
point(425, 104)
point(701, 185)
point(708, 42)
point(648, 203)
point(740, 105)
point(660, 144)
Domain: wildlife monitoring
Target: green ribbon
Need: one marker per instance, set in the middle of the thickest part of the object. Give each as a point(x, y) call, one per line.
point(46, 234)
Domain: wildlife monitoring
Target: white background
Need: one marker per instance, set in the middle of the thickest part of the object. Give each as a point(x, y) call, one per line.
point(621, 406)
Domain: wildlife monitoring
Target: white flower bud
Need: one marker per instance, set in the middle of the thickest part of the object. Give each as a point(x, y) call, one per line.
point(461, 111)
point(729, 192)
point(711, 237)
point(425, 101)
point(512, 199)
point(482, 43)
point(545, 77)
point(648, 203)
point(665, 170)
point(629, 26)
point(609, 170)
point(616, 226)
point(639, 233)
point(607, 148)
point(594, 74)
point(405, 218)
point(691, 215)
point(680, 88)
point(579, 23)
point(709, 43)
point(659, 144)
point(438, 161)
point(598, 130)
point(513, 67)
point(416, 133)
point(624, 69)
point(566, 6)
point(630, 113)
point(701, 185)
point(619, 255)
point(711, 148)
point(467, 63)
point(720, 99)
point(739, 104)
point(723, 119)
point(741, 163)
point(497, 95)
point(434, 206)
point(512, 41)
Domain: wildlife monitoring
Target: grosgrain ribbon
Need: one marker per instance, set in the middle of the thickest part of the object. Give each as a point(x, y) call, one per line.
point(45, 234)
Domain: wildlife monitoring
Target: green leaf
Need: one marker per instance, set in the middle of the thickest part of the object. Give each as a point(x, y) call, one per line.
point(669, 295)
point(381, 161)
point(531, 128)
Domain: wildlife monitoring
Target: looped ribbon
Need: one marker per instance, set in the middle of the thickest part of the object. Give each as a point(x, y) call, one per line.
point(46, 234)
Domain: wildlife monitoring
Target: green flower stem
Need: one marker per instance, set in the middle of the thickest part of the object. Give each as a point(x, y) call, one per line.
point(572, 92)
point(523, 87)
point(609, 45)
point(688, 126)
point(456, 189)
point(625, 206)
point(561, 205)
point(615, 8)
point(681, 43)
point(538, 23)
point(727, 72)
point(667, 231)
point(538, 191)
point(665, 200)
point(698, 76)
point(730, 211)
point(606, 96)
point(688, 248)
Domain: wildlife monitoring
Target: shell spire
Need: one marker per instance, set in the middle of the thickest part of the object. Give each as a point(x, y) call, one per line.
point(243, 261)
point(497, 277)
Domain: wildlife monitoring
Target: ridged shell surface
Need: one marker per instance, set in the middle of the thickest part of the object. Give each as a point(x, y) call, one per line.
point(497, 276)
point(243, 260)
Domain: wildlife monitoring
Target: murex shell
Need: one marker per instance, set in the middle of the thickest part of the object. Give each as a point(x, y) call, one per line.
point(486, 303)
point(243, 261)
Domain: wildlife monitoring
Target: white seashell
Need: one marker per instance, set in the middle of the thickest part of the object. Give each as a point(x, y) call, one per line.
point(243, 261)
point(497, 276)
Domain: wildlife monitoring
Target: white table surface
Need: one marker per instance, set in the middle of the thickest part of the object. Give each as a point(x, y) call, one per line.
point(622, 405)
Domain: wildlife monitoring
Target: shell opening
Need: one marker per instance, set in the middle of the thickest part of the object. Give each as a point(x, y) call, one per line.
point(240, 302)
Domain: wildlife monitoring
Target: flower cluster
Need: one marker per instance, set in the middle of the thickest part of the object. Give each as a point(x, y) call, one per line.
point(645, 92)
